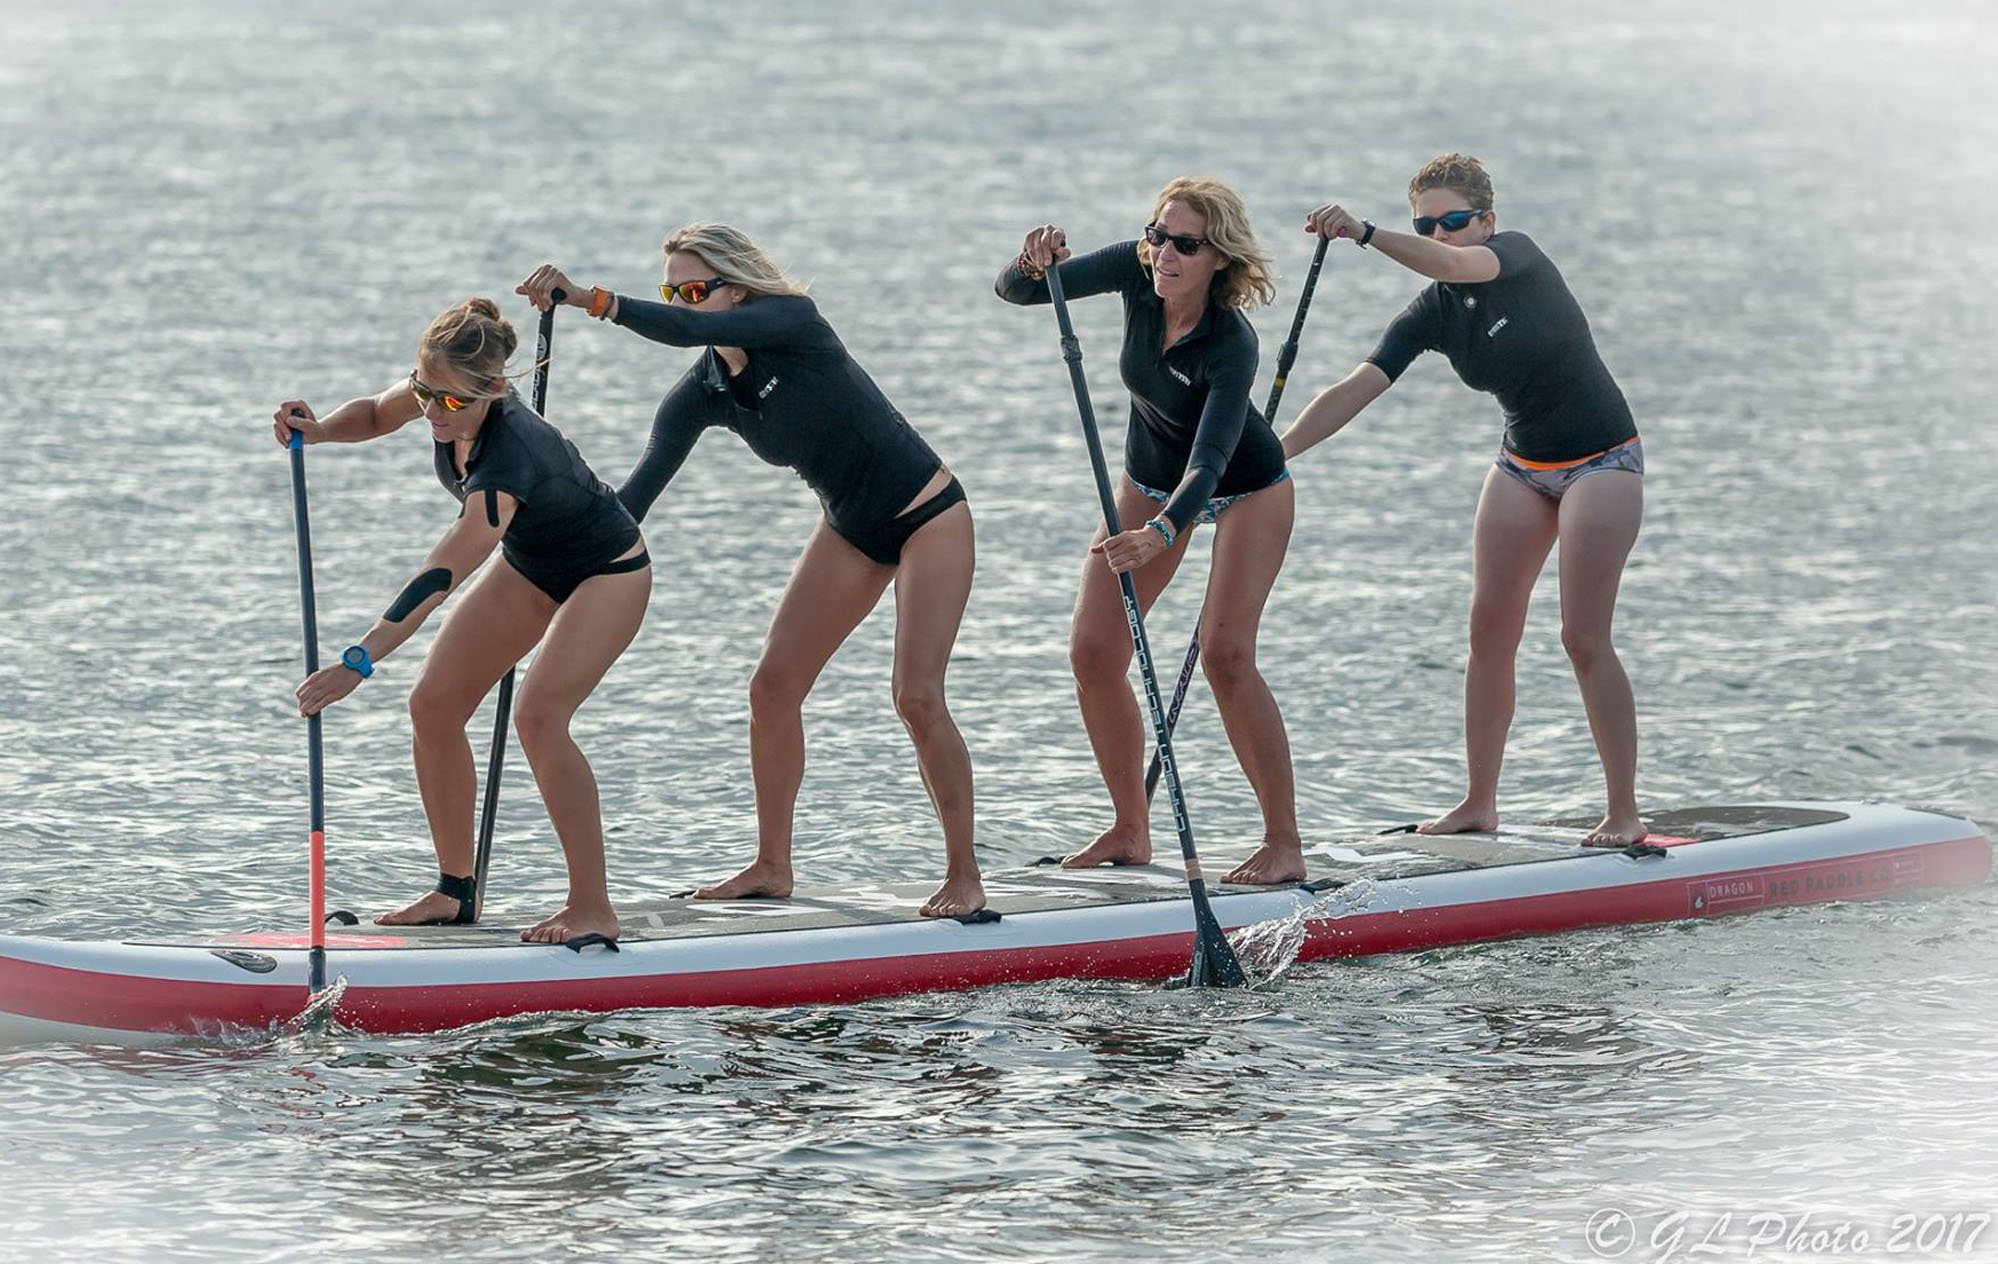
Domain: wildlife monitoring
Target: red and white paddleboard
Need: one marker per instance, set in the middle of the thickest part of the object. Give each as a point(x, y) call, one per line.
point(1369, 893)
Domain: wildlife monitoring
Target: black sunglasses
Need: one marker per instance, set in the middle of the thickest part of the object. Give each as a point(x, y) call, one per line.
point(1426, 225)
point(1188, 246)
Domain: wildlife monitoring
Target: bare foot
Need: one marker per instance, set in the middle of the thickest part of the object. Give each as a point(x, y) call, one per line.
point(1465, 818)
point(957, 896)
point(1273, 863)
point(431, 909)
point(761, 881)
point(1118, 845)
point(1616, 830)
point(571, 920)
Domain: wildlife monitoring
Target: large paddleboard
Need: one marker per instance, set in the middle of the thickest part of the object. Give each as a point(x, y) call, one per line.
point(1368, 893)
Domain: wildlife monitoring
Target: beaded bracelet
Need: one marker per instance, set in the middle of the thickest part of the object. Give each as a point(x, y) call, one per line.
point(1027, 268)
point(1164, 528)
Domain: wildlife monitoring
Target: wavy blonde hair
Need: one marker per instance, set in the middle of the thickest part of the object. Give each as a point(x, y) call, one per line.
point(1248, 279)
point(734, 258)
point(1459, 173)
point(475, 340)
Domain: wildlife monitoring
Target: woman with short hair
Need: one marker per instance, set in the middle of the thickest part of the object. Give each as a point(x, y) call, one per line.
point(1570, 466)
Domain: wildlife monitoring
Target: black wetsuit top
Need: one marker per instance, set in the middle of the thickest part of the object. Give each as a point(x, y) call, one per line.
point(1192, 427)
point(568, 523)
point(801, 402)
point(1522, 337)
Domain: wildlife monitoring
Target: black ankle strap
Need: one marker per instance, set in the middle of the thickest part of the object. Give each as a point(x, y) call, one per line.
point(464, 890)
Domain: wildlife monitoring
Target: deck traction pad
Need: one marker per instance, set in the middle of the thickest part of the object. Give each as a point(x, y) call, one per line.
point(1009, 892)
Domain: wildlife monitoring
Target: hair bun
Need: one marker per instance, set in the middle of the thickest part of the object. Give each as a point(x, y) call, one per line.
point(482, 307)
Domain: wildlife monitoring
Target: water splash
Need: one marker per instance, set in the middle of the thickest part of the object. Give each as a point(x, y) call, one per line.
point(317, 1018)
point(1270, 948)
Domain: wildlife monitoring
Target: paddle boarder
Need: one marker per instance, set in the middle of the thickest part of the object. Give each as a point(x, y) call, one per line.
point(1570, 466)
point(773, 371)
point(573, 577)
point(1195, 451)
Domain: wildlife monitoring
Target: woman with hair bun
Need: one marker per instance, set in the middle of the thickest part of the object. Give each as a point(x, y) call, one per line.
point(1570, 466)
point(773, 371)
point(573, 578)
point(1196, 451)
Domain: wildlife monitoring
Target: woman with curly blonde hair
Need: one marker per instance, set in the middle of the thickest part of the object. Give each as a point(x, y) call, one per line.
point(1196, 451)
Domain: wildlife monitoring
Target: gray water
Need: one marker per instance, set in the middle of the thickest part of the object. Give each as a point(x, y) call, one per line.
point(1776, 216)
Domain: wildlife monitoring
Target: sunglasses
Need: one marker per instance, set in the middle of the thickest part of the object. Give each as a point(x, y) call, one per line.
point(426, 396)
point(1157, 237)
point(1426, 225)
point(691, 291)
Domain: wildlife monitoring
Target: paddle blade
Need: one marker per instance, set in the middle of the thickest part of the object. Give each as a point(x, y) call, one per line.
point(1214, 961)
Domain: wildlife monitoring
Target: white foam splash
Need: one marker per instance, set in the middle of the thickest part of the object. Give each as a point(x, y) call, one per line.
point(1270, 948)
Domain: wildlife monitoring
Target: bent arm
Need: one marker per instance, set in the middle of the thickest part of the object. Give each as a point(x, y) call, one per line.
point(370, 417)
point(1462, 265)
point(1330, 410)
point(468, 543)
point(1114, 268)
point(1221, 422)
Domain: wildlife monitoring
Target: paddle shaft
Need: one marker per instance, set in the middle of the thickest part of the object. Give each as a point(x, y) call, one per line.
point(1285, 358)
point(316, 761)
point(1214, 962)
point(544, 337)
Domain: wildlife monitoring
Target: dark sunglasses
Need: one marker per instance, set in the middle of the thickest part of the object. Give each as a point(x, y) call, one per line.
point(1157, 237)
point(427, 396)
point(1426, 225)
point(692, 291)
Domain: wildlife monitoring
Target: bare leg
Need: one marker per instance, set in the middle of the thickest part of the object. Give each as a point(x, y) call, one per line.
point(592, 628)
point(1515, 528)
point(495, 620)
point(832, 589)
point(1249, 544)
point(932, 585)
point(1099, 652)
point(1600, 516)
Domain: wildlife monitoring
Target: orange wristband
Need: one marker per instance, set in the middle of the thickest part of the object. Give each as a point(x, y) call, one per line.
point(600, 301)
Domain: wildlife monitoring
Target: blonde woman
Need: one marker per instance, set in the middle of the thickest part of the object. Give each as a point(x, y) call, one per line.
point(1196, 451)
point(774, 372)
point(573, 578)
point(1570, 466)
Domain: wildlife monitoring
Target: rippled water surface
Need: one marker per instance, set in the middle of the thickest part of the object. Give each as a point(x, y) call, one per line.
point(1772, 215)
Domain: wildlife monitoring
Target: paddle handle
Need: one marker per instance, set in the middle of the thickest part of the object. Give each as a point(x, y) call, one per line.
point(316, 753)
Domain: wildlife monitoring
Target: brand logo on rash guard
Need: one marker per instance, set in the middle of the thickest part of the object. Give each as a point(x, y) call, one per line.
point(768, 387)
point(1184, 380)
point(1493, 331)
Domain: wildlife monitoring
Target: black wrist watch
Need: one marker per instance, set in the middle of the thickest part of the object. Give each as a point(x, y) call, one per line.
point(1367, 236)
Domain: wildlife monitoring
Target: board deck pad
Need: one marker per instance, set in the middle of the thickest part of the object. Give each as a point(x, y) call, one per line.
point(1332, 861)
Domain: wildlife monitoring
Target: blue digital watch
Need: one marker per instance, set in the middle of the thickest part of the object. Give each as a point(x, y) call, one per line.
point(356, 658)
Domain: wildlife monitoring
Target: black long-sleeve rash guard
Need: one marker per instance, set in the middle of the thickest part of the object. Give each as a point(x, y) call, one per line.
point(1192, 426)
point(800, 402)
point(1521, 336)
